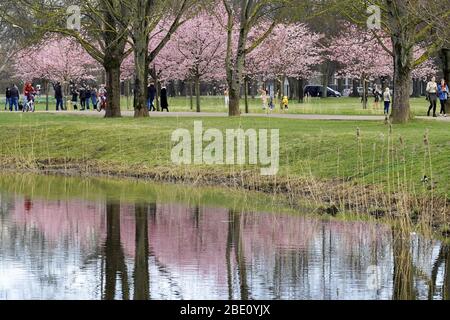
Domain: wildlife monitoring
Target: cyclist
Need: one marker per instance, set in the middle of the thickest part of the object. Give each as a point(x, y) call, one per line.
point(29, 93)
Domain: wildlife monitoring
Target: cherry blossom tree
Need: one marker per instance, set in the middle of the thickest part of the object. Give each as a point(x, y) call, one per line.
point(196, 51)
point(246, 17)
point(292, 50)
point(364, 56)
point(55, 59)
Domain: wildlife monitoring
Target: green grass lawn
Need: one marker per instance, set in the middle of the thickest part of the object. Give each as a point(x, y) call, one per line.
point(319, 149)
point(332, 106)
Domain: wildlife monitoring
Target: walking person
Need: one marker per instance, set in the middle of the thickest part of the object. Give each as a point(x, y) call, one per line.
point(88, 97)
point(58, 96)
point(75, 98)
point(271, 102)
point(29, 93)
point(151, 97)
point(94, 97)
point(103, 96)
point(14, 101)
point(7, 98)
point(387, 101)
point(82, 93)
point(164, 100)
point(264, 98)
point(432, 89)
point(377, 96)
point(227, 98)
point(443, 97)
point(26, 93)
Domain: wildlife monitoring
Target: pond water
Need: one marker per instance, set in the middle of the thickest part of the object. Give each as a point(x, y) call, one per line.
point(64, 238)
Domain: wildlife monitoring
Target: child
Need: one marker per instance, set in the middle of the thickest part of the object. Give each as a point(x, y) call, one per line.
point(285, 103)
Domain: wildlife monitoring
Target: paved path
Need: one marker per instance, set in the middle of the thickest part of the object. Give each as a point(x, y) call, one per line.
point(258, 115)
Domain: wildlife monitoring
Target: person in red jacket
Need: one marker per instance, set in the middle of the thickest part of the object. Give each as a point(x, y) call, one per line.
point(28, 92)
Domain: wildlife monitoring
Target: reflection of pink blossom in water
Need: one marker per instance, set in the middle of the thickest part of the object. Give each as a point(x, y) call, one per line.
point(81, 222)
point(177, 241)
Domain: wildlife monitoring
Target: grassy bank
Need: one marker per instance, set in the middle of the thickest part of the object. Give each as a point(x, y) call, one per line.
point(362, 166)
point(344, 106)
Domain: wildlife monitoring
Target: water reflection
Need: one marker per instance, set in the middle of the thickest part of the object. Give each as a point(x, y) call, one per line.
point(121, 249)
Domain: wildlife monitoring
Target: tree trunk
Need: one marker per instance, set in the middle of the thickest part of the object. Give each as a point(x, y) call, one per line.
point(365, 89)
point(46, 94)
point(141, 76)
point(446, 70)
point(197, 93)
point(246, 94)
point(325, 81)
point(113, 88)
point(416, 88)
point(141, 273)
point(402, 82)
point(233, 107)
point(252, 89)
point(114, 55)
point(191, 94)
point(301, 92)
point(115, 266)
point(341, 85)
point(355, 88)
point(235, 70)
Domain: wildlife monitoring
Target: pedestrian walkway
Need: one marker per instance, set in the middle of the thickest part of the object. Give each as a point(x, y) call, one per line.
point(257, 115)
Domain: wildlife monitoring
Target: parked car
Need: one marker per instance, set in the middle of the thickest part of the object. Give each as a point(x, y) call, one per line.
point(316, 91)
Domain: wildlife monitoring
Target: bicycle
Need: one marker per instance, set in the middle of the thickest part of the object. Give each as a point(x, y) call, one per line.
point(29, 106)
point(102, 103)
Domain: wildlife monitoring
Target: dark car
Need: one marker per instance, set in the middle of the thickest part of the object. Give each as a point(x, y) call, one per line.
point(316, 91)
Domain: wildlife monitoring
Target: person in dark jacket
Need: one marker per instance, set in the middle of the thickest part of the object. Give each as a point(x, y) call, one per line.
point(74, 98)
point(94, 97)
point(58, 96)
point(14, 100)
point(7, 98)
point(164, 101)
point(151, 97)
point(83, 97)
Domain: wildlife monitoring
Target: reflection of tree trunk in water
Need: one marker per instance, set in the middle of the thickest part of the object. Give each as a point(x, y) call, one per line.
point(444, 256)
point(235, 240)
point(141, 273)
point(114, 256)
point(403, 267)
point(196, 216)
point(240, 256)
point(152, 212)
point(228, 259)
